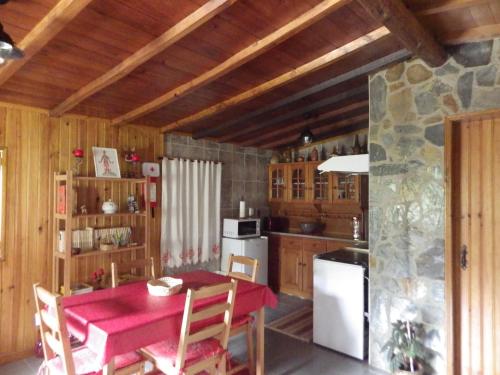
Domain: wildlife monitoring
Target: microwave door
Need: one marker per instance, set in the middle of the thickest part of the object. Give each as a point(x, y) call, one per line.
point(247, 228)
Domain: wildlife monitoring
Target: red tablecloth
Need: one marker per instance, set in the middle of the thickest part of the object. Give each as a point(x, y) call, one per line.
point(117, 320)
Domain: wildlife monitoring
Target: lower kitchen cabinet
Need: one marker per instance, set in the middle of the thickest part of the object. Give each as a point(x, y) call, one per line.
point(291, 270)
point(294, 268)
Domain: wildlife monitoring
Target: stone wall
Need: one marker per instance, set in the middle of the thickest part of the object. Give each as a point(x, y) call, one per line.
point(408, 105)
point(244, 174)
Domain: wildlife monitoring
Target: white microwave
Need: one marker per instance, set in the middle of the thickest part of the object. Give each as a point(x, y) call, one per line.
point(241, 228)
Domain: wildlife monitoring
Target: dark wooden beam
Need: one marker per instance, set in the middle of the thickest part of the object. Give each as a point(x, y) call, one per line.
point(300, 111)
point(406, 28)
point(352, 74)
point(316, 64)
point(258, 137)
point(254, 50)
point(360, 121)
point(187, 25)
point(474, 34)
point(442, 6)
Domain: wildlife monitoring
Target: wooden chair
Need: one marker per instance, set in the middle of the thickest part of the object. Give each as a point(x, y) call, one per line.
point(198, 349)
point(122, 273)
point(244, 324)
point(60, 358)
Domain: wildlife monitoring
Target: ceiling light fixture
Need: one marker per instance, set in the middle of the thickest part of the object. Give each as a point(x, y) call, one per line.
point(306, 137)
point(8, 49)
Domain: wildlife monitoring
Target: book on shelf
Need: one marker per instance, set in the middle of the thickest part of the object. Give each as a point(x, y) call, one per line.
point(61, 199)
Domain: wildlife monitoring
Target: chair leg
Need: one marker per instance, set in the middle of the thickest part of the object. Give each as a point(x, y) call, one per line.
point(222, 365)
point(250, 352)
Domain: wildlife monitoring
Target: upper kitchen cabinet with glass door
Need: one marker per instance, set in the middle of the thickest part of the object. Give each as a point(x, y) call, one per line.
point(319, 184)
point(277, 182)
point(297, 191)
point(349, 188)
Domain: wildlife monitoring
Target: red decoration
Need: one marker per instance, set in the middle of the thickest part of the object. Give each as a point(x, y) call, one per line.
point(78, 153)
point(135, 158)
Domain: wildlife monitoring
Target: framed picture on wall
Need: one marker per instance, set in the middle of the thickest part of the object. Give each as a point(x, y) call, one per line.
point(106, 162)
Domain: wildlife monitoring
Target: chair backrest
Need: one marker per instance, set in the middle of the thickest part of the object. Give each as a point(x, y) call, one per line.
point(209, 312)
point(247, 261)
point(53, 330)
point(134, 267)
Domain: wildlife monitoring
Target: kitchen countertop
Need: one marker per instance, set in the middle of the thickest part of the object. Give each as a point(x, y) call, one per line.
point(357, 244)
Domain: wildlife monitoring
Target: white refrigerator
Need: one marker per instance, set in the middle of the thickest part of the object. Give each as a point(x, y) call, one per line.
point(251, 247)
point(340, 305)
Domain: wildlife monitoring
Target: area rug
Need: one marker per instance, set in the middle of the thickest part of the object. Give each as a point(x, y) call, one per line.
point(298, 324)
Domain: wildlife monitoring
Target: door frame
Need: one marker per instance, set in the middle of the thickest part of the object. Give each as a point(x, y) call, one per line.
point(451, 259)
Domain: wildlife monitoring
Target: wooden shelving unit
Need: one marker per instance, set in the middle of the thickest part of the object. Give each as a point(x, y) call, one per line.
point(70, 221)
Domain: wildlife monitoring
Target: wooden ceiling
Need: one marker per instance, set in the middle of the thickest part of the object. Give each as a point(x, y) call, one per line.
point(252, 72)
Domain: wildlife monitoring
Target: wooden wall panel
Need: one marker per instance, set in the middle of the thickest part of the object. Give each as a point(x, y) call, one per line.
point(37, 147)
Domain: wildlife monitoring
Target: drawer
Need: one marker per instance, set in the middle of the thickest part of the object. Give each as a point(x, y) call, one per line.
point(336, 245)
point(314, 245)
point(291, 242)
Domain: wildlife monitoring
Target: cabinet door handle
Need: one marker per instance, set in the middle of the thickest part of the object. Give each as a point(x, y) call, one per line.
point(297, 271)
point(464, 263)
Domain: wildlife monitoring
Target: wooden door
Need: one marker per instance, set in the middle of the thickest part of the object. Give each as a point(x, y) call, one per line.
point(318, 184)
point(277, 182)
point(290, 270)
point(297, 182)
point(473, 244)
point(311, 248)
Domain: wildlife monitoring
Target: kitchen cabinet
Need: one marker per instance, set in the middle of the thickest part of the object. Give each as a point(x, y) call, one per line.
point(277, 182)
point(302, 183)
point(298, 182)
point(293, 271)
point(290, 272)
point(311, 247)
point(319, 185)
point(348, 188)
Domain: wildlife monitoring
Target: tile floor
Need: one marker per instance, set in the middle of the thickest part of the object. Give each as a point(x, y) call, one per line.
point(284, 355)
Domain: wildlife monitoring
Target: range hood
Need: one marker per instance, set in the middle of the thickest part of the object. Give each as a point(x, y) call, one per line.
point(355, 164)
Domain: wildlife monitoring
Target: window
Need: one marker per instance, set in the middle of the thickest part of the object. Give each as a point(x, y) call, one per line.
point(3, 188)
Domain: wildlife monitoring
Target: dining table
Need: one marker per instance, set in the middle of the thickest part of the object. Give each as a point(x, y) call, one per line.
point(115, 321)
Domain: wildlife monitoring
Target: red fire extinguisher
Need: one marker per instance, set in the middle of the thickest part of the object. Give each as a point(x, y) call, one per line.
point(151, 171)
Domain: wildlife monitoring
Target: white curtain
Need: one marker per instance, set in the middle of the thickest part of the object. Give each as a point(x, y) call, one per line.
point(190, 212)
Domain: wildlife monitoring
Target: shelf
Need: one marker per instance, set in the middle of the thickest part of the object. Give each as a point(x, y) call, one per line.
point(62, 255)
point(107, 179)
point(113, 251)
point(118, 214)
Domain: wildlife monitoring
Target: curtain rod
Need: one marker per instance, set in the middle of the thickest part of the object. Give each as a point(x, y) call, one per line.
point(206, 160)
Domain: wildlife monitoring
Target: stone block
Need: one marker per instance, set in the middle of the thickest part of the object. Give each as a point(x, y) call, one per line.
point(486, 76)
point(377, 153)
point(464, 89)
point(435, 134)
point(394, 73)
point(378, 96)
point(473, 54)
point(418, 73)
point(426, 102)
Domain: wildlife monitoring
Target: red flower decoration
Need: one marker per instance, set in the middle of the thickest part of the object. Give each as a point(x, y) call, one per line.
point(78, 153)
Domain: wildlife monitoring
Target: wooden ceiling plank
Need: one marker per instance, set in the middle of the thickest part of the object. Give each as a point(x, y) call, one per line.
point(254, 141)
point(443, 6)
point(58, 17)
point(293, 138)
point(363, 70)
point(158, 45)
point(283, 79)
point(404, 26)
point(252, 51)
point(297, 112)
point(474, 34)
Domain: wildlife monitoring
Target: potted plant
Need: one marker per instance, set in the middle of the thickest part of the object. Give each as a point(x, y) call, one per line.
point(406, 352)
